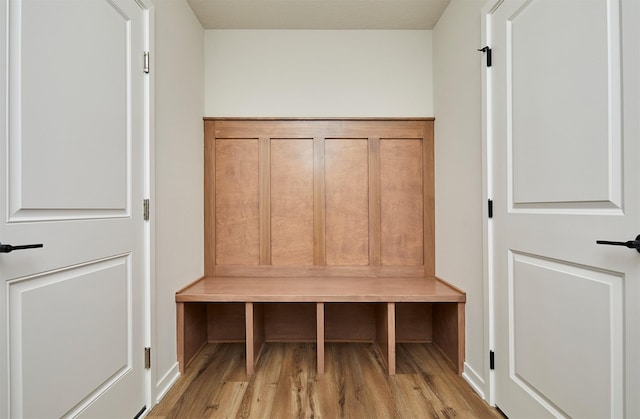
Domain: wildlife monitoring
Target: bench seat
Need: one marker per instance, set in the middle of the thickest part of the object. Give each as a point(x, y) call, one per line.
point(394, 309)
point(328, 289)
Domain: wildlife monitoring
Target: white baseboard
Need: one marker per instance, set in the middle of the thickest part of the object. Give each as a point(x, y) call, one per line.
point(166, 382)
point(474, 379)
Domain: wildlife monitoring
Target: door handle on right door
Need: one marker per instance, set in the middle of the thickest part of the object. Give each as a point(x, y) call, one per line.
point(631, 244)
point(7, 248)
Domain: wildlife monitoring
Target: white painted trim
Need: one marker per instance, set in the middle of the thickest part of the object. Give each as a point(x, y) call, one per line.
point(149, 193)
point(166, 382)
point(475, 380)
point(487, 191)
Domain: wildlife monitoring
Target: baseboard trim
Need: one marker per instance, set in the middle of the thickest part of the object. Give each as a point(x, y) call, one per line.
point(475, 381)
point(166, 382)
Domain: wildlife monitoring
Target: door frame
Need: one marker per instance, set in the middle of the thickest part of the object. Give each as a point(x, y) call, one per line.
point(487, 191)
point(149, 193)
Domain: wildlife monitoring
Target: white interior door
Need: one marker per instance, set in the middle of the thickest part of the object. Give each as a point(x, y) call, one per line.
point(71, 325)
point(564, 111)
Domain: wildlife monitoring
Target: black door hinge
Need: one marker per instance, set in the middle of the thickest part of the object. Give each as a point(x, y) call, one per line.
point(487, 52)
point(490, 208)
point(492, 360)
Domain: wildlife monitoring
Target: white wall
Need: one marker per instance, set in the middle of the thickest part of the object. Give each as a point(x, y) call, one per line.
point(458, 154)
point(178, 211)
point(262, 73)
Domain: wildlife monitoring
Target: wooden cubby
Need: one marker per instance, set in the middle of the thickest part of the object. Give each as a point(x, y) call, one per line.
point(320, 230)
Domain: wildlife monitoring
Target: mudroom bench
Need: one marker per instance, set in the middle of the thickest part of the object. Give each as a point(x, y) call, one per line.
point(384, 311)
point(319, 230)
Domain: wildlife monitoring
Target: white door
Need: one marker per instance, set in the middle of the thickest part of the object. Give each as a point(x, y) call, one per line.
point(71, 152)
point(565, 116)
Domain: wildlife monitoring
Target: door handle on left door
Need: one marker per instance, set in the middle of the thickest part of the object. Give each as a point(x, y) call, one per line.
point(631, 244)
point(7, 248)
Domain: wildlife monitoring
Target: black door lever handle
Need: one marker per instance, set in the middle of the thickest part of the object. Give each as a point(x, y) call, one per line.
point(7, 248)
point(631, 244)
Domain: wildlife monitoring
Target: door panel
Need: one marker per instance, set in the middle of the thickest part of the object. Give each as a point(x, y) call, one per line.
point(73, 153)
point(558, 311)
point(54, 99)
point(46, 312)
point(565, 308)
point(580, 160)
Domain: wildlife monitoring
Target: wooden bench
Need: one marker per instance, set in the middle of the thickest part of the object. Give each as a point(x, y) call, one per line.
point(319, 230)
point(384, 311)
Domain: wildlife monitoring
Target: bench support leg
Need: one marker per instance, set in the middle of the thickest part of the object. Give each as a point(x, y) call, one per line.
point(320, 337)
point(254, 315)
point(386, 334)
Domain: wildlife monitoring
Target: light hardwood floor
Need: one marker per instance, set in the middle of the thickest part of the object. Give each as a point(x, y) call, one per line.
point(354, 385)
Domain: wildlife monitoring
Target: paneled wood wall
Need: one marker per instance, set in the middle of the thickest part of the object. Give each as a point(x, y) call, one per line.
point(319, 197)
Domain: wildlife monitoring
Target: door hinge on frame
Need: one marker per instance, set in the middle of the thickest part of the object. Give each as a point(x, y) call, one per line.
point(490, 208)
point(146, 62)
point(492, 360)
point(487, 52)
point(147, 358)
point(145, 211)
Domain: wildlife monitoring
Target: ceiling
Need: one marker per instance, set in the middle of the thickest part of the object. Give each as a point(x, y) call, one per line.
point(318, 14)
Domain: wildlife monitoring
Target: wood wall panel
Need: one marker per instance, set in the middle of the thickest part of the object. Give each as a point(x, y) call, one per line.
point(350, 322)
point(318, 178)
point(347, 206)
point(290, 322)
point(225, 322)
point(413, 322)
point(428, 164)
point(401, 202)
point(209, 200)
point(292, 202)
point(237, 202)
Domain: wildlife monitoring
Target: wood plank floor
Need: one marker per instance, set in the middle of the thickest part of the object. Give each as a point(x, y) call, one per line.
point(354, 385)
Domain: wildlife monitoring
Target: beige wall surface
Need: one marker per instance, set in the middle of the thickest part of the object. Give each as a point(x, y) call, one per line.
point(311, 73)
point(458, 151)
point(179, 215)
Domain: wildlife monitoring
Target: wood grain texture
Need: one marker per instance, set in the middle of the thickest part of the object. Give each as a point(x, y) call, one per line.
point(290, 322)
point(319, 202)
point(226, 322)
point(265, 201)
point(320, 337)
point(192, 331)
point(448, 333)
point(375, 258)
point(237, 202)
point(414, 322)
point(428, 183)
point(355, 385)
point(347, 206)
point(310, 127)
point(401, 202)
point(382, 340)
point(254, 315)
point(292, 202)
point(259, 271)
point(329, 289)
point(209, 198)
point(350, 322)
